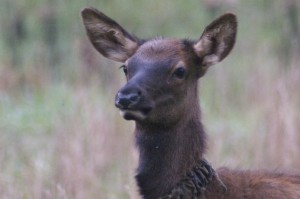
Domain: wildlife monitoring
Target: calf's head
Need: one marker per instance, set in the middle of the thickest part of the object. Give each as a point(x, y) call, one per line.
point(161, 73)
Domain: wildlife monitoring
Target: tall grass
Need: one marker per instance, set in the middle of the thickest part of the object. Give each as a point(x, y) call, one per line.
point(61, 136)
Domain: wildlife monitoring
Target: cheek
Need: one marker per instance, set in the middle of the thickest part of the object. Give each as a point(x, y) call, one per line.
point(170, 100)
point(167, 113)
point(163, 97)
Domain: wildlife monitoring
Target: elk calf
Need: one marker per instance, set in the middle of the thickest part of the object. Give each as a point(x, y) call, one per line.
point(161, 96)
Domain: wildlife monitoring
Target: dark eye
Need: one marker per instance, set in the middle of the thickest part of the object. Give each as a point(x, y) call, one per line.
point(180, 72)
point(124, 69)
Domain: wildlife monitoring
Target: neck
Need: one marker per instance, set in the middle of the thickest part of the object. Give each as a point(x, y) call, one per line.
point(167, 154)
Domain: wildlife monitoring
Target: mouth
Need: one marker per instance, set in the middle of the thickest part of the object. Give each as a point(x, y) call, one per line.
point(135, 114)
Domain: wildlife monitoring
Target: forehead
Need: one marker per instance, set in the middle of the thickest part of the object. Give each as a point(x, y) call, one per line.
point(158, 51)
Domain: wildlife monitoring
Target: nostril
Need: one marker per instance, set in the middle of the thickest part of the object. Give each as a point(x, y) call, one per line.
point(126, 100)
point(122, 102)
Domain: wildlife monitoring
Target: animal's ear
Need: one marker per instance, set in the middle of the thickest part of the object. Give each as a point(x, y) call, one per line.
point(107, 36)
point(216, 41)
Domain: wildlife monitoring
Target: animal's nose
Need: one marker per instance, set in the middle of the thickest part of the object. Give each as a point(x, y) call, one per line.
point(126, 100)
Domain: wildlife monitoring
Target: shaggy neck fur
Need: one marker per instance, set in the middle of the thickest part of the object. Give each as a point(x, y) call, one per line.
point(167, 154)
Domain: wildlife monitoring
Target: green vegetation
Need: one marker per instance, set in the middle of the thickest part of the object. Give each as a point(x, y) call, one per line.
point(62, 138)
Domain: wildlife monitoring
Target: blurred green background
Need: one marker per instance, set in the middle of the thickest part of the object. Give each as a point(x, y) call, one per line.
point(62, 138)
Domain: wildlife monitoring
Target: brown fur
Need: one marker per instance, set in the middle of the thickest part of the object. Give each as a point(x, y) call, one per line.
point(256, 185)
point(161, 95)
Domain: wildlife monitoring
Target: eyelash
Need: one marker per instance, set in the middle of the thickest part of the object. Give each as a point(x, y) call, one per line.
point(124, 69)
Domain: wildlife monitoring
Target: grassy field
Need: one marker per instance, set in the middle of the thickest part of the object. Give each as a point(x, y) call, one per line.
point(61, 136)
